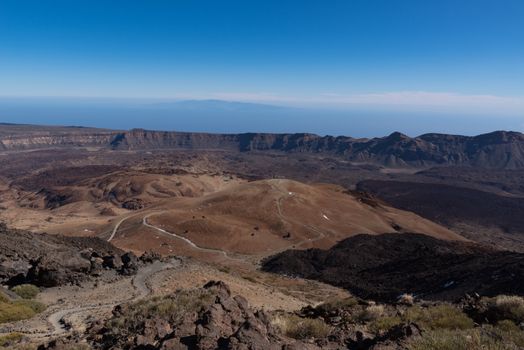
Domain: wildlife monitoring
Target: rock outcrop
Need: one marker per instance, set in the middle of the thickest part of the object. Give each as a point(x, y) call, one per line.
point(214, 320)
point(52, 260)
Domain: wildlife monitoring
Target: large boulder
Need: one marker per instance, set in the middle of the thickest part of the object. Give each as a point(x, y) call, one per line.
point(129, 264)
point(61, 268)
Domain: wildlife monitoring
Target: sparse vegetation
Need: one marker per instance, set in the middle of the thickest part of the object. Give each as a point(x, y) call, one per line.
point(250, 278)
point(384, 323)
point(301, 328)
point(444, 339)
point(406, 299)
point(337, 304)
point(34, 305)
point(371, 313)
point(3, 298)
point(506, 307)
point(9, 339)
point(224, 269)
point(486, 337)
point(172, 307)
point(11, 311)
point(26, 291)
point(443, 316)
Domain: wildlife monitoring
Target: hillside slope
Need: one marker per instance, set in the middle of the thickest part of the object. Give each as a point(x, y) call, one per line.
point(262, 217)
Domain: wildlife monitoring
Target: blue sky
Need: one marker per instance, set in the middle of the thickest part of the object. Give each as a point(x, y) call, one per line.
point(463, 58)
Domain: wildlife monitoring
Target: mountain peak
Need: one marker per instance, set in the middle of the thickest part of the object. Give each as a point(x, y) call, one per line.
point(397, 136)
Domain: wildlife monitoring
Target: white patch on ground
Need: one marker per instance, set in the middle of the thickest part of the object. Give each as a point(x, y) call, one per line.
point(325, 217)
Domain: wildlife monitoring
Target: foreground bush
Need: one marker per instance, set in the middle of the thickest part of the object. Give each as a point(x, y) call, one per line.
point(371, 313)
point(9, 339)
point(384, 324)
point(301, 328)
point(506, 307)
point(11, 311)
point(3, 298)
point(26, 291)
point(438, 317)
point(337, 304)
point(172, 308)
point(486, 338)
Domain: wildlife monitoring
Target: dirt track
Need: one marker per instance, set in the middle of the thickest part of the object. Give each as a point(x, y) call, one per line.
point(58, 320)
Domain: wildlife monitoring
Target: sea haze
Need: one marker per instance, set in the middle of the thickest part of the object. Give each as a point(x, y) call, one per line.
point(217, 116)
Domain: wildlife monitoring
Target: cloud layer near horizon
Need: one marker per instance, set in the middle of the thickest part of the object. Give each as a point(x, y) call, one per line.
point(447, 101)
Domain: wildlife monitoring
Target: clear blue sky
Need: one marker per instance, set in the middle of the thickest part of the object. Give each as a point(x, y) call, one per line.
point(449, 56)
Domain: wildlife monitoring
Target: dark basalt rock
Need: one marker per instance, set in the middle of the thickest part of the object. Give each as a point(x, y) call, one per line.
point(53, 260)
point(385, 266)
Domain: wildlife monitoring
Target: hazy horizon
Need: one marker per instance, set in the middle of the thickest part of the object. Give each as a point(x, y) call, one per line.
point(216, 116)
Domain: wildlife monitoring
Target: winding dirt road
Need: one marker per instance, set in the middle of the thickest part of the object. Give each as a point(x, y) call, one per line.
point(188, 241)
point(117, 226)
point(285, 194)
point(58, 321)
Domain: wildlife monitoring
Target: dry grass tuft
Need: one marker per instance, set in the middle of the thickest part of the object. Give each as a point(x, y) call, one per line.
point(26, 291)
point(406, 299)
point(508, 307)
point(17, 310)
point(171, 307)
point(301, 328)
point(338, 304)
point(438, 317)
point(371, 313)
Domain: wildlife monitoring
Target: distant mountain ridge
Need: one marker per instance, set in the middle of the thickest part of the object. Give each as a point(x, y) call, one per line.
point(499, 149)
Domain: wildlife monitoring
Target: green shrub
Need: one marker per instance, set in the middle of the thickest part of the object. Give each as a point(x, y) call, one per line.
point(10, 338)
point(507, 329)
point(171, 307)
point(384, 323)
point(507, 307)
point(438, 317)
point(26, 291)
point(337, 304)
point(485, 338)
point(507, 326)
point(12, 312)
point(3, 298)
point(20, 347)
point(371, 313)
point(36, 306)
point(445, 339)
point(301, 328)
point(19, 310)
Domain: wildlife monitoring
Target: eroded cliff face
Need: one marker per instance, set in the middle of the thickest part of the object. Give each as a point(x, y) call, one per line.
point(49, 140)
point(500, 149)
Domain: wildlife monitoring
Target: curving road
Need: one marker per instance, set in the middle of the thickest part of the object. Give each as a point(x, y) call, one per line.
point(188, 241)
point(286, 194)
point(115, 229)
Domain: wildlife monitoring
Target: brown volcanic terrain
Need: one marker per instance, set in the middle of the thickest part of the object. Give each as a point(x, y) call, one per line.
point(479, 215)
point(84, 186)
point(224, 203)
point(265, 216)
